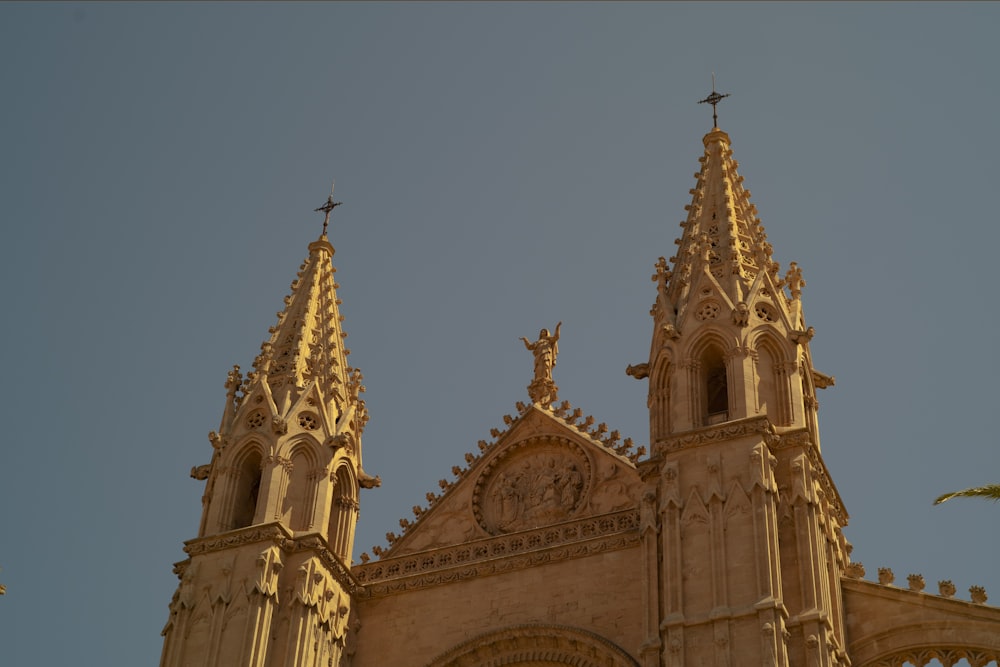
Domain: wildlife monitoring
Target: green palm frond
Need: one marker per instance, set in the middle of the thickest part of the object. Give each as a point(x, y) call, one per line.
point(990, 492)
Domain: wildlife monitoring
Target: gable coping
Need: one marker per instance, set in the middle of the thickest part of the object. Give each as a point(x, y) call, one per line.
point(564, 412)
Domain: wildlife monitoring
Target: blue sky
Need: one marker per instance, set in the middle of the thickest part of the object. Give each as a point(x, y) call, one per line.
point(502, 167)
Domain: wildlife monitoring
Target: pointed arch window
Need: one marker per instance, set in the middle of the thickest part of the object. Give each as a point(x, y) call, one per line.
point(715, 386)
point(246, 491)
point(300, 492)
point(659, 399)
point(343, 514)
point(773, 389)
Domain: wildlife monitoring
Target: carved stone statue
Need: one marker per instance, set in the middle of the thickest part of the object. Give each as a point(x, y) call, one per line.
point(542, 388)
point(545, 349)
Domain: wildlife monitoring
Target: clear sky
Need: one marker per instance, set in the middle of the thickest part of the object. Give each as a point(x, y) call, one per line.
point(502, 167)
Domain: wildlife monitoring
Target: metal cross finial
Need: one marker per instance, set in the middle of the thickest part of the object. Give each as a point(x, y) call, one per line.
point(328, 208)
point(714, 99)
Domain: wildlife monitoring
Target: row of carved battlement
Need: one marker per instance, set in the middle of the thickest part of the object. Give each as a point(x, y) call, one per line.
point(916, 583)
point(505, 546)
point(572, 417)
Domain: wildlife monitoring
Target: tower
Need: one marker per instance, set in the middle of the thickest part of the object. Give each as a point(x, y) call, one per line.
point(750, 551)
point(267, 580)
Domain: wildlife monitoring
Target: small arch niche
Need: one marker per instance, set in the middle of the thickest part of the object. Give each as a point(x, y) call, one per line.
point(247, 490)
point(300, 493)
point(715, 386)
point(343, 514)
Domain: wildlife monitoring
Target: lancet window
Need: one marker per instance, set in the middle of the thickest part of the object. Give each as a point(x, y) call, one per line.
point(246, 489)
point(715, 386)
point(343, 514)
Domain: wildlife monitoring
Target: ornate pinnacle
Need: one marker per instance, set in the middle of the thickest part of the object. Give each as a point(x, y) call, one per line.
point(662, 274)
point(328, 208)
point(794, 280)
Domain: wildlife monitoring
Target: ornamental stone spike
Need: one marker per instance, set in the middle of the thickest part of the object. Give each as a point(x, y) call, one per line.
point(306, 345)
point(722, 236)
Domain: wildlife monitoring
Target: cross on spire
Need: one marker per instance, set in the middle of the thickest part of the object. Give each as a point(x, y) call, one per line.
point(714, 99)
point(328, 208)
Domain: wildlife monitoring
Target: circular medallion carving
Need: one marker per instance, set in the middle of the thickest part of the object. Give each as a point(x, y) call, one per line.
point(765, 312)
point(707, 310)
point(255, 419)
point(533, 483)
point(308, 421)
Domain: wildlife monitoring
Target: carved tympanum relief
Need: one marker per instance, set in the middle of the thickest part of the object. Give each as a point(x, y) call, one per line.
point(532, 484)
point(616, 487)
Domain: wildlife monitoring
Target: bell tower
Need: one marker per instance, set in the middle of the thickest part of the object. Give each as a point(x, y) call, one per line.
point(749, 544)
point(267, 581)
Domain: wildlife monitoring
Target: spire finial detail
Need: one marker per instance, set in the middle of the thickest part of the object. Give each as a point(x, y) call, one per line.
point(328, 208)
point(714, 99)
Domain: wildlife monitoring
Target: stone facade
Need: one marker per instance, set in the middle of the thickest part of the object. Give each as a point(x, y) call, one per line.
point(559, 543)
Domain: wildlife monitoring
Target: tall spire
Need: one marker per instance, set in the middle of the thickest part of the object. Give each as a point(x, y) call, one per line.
point(282, 489)
point(720, 302)
point(307, 344)
point(722, 235)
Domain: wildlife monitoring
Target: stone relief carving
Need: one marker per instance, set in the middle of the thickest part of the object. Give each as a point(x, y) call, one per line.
point(534, 494)
point(613, 491)
point(537, 483)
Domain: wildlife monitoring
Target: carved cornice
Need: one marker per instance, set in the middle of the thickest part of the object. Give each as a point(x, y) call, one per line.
point(573, 539)
point(717, 433)
point(277, 535)
point(269, 532)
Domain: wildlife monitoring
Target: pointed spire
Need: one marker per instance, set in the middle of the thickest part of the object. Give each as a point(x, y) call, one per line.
point(722, 234)
point(307, 344)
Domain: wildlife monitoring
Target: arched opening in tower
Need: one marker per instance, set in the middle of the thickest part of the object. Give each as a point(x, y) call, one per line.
point(716, 386)
point(247, 490)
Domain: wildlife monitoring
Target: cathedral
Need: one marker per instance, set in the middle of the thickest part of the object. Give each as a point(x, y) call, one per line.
point(560, 542)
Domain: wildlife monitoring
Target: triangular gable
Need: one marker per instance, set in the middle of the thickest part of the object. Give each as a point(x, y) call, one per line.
point(545, 469)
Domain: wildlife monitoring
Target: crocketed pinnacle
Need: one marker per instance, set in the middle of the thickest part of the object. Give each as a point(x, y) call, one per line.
point(722, 231)
point(307, 344)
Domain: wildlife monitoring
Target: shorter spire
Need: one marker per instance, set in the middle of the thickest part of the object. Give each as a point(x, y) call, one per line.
point(712, 99)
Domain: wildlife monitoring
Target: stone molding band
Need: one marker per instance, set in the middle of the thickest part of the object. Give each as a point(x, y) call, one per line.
point(775, 441)
point(277, 535)
point(574, 539)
